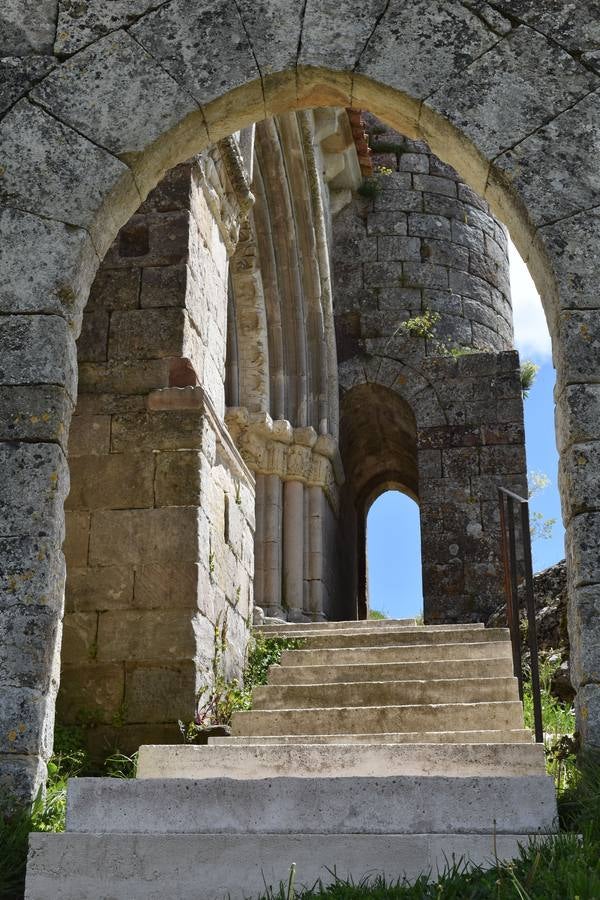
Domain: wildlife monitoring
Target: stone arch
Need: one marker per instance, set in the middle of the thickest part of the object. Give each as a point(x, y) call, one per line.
point(510, 100)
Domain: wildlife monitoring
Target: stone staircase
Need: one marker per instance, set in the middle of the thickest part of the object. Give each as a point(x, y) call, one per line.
point(379, 747)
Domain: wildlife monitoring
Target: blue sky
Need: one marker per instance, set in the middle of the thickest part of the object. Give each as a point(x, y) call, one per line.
point(393, 535)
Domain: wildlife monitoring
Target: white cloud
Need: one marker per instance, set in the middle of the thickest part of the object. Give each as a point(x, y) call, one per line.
point(532, 338)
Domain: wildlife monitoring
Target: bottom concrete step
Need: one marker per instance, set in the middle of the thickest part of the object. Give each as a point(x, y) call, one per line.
point(236, 867)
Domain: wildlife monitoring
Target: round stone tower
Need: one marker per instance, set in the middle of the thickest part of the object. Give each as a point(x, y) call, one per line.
point(430, 394)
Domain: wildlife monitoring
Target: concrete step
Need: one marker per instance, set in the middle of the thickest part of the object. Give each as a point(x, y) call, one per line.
point(384, 693)
point(416, 652)
point(360, 624)
point(388, 637)
point(376, 719)
point(328, 760)
point(402, 804)
point(515, 736)
point(501, 667)
point(236, 867)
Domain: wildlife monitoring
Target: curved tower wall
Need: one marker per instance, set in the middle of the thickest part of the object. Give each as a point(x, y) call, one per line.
point(422, 308)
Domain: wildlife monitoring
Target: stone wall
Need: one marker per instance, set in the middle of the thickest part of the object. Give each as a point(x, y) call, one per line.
point(444, 405)
point(160, 516)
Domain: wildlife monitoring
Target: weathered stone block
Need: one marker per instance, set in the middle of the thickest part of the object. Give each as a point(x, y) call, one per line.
point(92, 345)
point(429, 226)
point(122, 377)
point(160, 693)
point(584, 635)
point(65, 264)
point(114, 481)
point(33, 489)
point(578, 351)
point(388, 222)
point(507, 459)
point(424, 275)
point(33, 571)
point(89, 435)
point(176, 430)
point(164, 286)
point(209, 68)
point(77, 537)
point(21, 776)
point(90, 693)
point(580, 488)
point(166, 587)
point(27, 26)
point(43, 161)
point(159, 536)
point(435, 184)
point(403, 51)
point(29, 637)
point(104, 92)
point(37, 350)
point(536, 167)
point(587, 709)
point(80, 633)
point(98, 588)
point(115, 289)
point(25, 720)
point(497, 100)
point(572, 246)
point(578, 414)
point(405, 200)
point(146, 334)
point(145, 634)
point(178, 481)
point(393, 247)
point(35, 413)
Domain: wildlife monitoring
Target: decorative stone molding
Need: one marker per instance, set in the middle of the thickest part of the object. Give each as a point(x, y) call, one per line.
point(226, 187)
point(274, 447)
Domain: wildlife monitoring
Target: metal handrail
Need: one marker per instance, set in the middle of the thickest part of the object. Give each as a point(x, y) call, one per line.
point(508, 499)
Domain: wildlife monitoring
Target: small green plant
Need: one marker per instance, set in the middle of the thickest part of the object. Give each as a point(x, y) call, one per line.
point(119, 765)
point(377, 614)
point(220, 697)
point(369, 187)
point(529, 372)
point(423, 326)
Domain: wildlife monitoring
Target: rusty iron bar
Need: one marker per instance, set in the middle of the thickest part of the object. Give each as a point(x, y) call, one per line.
point(507, 501)
point(512, 600)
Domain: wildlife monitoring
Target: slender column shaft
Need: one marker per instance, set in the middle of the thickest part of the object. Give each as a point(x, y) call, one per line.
point(293, 549)
point(272, 545)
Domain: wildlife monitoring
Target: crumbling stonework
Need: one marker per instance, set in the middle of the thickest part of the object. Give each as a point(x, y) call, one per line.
point(160, 515)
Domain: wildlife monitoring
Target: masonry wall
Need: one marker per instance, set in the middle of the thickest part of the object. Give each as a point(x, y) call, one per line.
point(420, 243)
point(160, 515)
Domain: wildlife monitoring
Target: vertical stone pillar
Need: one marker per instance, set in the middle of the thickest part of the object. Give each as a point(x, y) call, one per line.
point(316, 572)
point(259, 539)
point(293, 549)
point(272, 513)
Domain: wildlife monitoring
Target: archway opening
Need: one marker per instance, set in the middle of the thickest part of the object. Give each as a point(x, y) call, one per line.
point(395, 585)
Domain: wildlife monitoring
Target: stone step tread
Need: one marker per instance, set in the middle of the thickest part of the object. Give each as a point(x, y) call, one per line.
point(476, 716)
point(518, 735)
point(324, 673)
point(367, 759)
point(383, 693)
point(398, 653)
point(396, 637)
point(404, 804)
point(330, 626)
point(235, 867)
